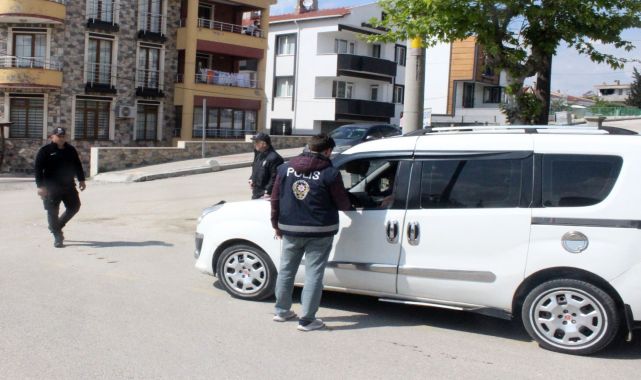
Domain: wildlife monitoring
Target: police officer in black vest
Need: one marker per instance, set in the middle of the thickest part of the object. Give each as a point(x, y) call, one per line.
point(266, 160)
point(307, 194)
point(57, 164)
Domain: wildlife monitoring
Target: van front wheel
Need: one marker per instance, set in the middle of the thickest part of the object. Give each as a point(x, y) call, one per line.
point(570, 316)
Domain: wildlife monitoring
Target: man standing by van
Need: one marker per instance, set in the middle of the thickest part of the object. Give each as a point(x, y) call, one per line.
point(266, 160)
point(307, 194)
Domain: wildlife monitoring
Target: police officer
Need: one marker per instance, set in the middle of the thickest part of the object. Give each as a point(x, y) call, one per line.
point(57, 164)
point(266, 160)
point(307, 194)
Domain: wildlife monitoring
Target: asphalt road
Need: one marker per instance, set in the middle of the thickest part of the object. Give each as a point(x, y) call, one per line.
point(123, 300)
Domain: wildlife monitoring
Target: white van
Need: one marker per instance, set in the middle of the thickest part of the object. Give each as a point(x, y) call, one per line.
point(533, 222)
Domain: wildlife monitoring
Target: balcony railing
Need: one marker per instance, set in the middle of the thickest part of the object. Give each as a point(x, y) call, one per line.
point(364, 108)
point(364, 64)
point(222, 78)
point(102, 15)
point(99, 73)
point(8, 61)
point(222, 133)
point(148, 79)
point(226, 27)
point(151, 22)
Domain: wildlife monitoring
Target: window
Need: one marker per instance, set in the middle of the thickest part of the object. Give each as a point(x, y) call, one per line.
point(343, 47)
point(399, 55)
point(99, 68)
point(490, 183)
point(205, 12)
point(468, 95)
point(376, 51)
point(492, 94)
point(27, 115)
point(370, 182)
point(286, 44)
point(92, 119)
point(102, 10)
point(148, 71)
point(281, 127)
point(577, 180)
point(342, 90)
point(178, 126)
point(147, 122)
point(30, 48)
point(224, 122)
point(373, 91)
point(284, 87)
point(150, 15)
point(399, 94)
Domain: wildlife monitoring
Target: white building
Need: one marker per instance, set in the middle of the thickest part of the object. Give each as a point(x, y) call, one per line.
point(459, 87)
point(321, 73)
point(613, 92)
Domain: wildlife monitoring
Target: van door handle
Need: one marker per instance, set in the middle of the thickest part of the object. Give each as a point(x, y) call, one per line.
point(413, 233)
point(391, 230)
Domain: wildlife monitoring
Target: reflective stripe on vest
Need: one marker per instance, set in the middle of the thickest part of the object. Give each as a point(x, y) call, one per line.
point(286, 227)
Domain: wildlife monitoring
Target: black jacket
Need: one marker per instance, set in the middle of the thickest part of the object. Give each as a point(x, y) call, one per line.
point(307, 195)
point(58, 167)
point(264, 170)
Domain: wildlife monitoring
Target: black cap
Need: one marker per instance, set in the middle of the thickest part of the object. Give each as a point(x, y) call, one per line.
point(59, 131)
point(260, 136)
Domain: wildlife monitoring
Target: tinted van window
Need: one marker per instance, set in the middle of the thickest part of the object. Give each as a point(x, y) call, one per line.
point(472, 183)
point(578, 180)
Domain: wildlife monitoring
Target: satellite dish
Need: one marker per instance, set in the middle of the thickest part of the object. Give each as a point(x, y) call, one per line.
point(308, 3)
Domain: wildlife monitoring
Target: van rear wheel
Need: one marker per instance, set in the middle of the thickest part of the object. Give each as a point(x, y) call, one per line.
point(570, 316)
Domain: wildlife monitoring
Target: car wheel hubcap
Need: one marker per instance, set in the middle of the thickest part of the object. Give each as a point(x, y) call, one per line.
point(568, 318)
point(245, 272)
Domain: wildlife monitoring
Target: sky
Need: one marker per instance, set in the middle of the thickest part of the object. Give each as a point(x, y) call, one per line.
point(572, 73)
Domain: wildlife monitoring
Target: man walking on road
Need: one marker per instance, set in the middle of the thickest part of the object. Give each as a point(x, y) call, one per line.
point(266, 160)
point(307, 194)
point(57, 164)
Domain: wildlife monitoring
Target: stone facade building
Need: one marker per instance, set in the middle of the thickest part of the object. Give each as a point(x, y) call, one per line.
point(108, 71)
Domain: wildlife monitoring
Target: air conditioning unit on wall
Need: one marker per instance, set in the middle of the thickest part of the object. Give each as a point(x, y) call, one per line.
point(125, 111)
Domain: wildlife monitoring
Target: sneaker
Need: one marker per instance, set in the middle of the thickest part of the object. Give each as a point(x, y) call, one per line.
point(284, 317)
point(309, 326)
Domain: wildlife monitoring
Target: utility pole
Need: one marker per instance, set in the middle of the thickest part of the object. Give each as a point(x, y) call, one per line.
point(414, 86)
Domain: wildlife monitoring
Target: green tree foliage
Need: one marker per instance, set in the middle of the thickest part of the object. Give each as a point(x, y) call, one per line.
point(519, 36)
point(634, 99)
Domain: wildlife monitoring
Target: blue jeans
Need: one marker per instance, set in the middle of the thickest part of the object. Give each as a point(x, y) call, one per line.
point(316, 251)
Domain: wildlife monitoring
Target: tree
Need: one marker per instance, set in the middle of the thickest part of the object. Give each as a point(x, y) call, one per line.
point(518, 36)
point(634, 99)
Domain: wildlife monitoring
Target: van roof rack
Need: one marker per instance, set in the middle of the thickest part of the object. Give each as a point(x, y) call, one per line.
point(543, 129)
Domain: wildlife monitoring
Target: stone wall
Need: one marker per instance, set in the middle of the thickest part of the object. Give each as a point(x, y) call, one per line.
point(105, 159)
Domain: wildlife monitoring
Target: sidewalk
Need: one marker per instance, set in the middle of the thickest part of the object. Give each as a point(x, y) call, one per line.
point(187, 167)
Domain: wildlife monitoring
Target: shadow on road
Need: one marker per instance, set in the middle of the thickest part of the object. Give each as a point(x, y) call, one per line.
point(368, 312)
point(111, 244)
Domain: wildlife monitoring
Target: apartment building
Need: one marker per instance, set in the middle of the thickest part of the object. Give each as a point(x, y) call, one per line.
point(322, 73)
point(460, 87)
point(613, 92)
point(221, 68)
point(128, 72)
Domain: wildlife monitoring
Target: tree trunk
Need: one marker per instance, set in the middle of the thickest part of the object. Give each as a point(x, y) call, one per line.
point(543, 84)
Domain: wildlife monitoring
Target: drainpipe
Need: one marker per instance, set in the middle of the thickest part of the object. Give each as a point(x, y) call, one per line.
point(296, 56)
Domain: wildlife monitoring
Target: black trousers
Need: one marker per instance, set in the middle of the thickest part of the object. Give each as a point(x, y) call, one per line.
point(69, 197)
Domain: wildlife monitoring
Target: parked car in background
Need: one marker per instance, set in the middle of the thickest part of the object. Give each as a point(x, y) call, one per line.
point(349, 135)
point(537, 223)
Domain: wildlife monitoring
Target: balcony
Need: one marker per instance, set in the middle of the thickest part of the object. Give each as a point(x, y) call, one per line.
point(29, 72)
point(366, 67)
point(152, 27)
point(148, 83)
point(221, 78)
point(357, 109)
point(33, 11)
point(231, 28)
point(100, 78)
point(102, 17)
